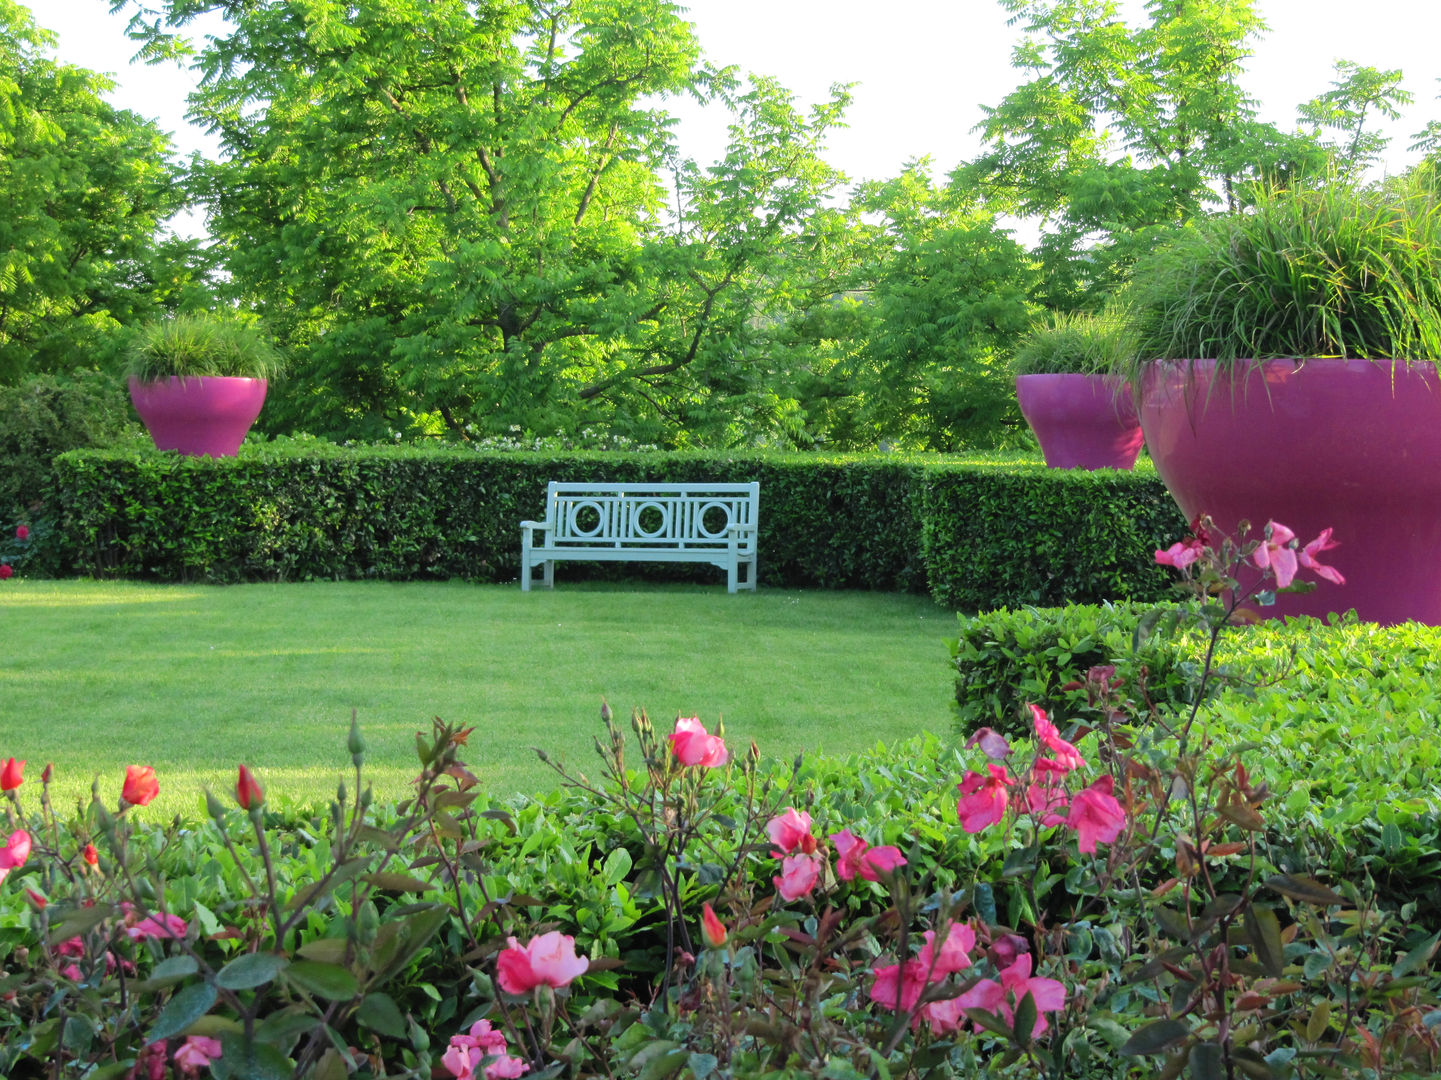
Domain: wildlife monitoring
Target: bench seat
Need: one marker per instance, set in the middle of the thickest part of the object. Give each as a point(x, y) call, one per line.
point(701, 523)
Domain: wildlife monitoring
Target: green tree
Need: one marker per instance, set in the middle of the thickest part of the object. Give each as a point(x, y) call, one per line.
point(85, 187)
point(460, 215)
point(1122, 131)
point(1357, 95)
point(917, 356)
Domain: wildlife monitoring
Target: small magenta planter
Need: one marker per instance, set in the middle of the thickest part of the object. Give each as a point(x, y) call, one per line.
point(200, 414)
point(1350, 444)
point(1081, 421)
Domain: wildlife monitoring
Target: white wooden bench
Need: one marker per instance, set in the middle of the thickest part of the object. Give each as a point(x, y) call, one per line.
point(709, 523)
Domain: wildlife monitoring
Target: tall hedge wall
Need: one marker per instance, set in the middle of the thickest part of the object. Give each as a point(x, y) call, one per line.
point(287, 512)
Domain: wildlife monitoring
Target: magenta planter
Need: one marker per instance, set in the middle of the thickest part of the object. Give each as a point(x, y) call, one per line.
point(1349, 444)
point(201, 414)
point(1081, 421)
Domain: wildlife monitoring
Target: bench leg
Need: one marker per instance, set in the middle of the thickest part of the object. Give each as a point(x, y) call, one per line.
point(549, 572)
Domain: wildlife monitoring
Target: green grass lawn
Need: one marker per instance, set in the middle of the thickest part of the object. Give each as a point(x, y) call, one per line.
point(195, 679)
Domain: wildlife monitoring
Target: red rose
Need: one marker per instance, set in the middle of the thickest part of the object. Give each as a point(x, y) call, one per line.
point(140, 785)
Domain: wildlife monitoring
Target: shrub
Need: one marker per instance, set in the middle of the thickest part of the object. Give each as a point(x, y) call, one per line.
point(45, 415)
point(299, 510)
point(994, 537)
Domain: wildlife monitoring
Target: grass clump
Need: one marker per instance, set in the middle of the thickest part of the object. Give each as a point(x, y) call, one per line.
point(203, 344)
point(1331, 269)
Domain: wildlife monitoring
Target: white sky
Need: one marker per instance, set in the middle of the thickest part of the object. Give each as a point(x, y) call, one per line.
point(924, 67)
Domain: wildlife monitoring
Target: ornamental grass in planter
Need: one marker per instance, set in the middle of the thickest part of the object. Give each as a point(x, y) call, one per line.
point(1081, 412)
point(198, 381)
point(1288, 367)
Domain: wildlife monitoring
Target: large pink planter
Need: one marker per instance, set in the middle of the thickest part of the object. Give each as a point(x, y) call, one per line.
point(202, 414)
point(1081, 421)
point(1350, 444)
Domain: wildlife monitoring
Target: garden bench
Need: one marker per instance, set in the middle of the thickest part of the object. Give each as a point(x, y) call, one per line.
point(707, 523)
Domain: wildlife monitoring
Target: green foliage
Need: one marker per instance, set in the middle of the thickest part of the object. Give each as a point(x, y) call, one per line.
point(1006, 660)
point(303, 510)
point(1327, 269)
point(202, 344)
point(1357, 95)
point(45, 415)
point(1006, 537)
point(463, 219)
point(85, 187)
point(1121, 130)
point(945, 291)
point(1077, 343)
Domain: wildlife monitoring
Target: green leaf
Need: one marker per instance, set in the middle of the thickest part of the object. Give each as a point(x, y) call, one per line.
point(250, 970)
point(1414, 959)
point(79, 921)
point(1207, 1062)
point(1304, 888)
point(1263, 930)
point(182, 1010)
point(380, 1013)
point(168, 972)
point(329, 981)
point(1156, 1037)
point(249, 1060)
point(1025, 1023)
point(617, 866)
point(702, 1065)
point(392, 882)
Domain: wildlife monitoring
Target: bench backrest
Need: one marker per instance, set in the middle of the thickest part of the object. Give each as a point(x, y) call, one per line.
point(678, 516)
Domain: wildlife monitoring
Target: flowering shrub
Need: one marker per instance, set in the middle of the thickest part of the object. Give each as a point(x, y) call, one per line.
point(1102, 898)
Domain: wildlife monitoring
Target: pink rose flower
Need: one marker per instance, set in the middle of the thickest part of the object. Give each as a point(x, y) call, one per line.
point(140, 785)
point(1096, 815)
point(1181, 554)
point(791, 831)
point(984, 798)
point(954, 954)
point(11, 774)
point(15, 852)
point(711, 928)
point(992, 743)
point(1307, 558)
point(22, 532)
point(197, 1052)
point(798, 876)
point(694, 746)
point(856, 858)
point(899, 982)
point(6, 571)
point(549, 960)
point(158, 926)
point(1276, 554)
point(1046, 802)
point(466, 1052)
point(1063, 755)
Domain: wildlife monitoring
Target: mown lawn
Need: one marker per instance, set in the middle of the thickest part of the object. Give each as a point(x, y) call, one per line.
point(195, 679)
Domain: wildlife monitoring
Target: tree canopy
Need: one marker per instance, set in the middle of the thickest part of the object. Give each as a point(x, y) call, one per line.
point(86, 188)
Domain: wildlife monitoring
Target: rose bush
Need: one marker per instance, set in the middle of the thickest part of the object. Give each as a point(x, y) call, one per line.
point(1104, 898)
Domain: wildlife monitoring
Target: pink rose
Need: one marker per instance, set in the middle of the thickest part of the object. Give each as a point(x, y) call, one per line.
point(984, 798)
point(694, 746)
point(197, 1053)
point(1307, 558)
point(549, 960)
point(1096, 815)
point(22, 532)
point(467, 1051)
point(1276, 553)
point(798, 876)
point(900, 984)
point(157, 927)
point(856, 858)
point(1065, 757)
point(791, 831)
point(954, 953)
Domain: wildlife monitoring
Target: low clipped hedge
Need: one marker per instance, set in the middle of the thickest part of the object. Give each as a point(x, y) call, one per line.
point(306, 510)
point(1340, 721)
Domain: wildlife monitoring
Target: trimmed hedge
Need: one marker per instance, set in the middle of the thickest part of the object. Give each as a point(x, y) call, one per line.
point(1340, 721)
point(303, 510)
point(996, 537)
